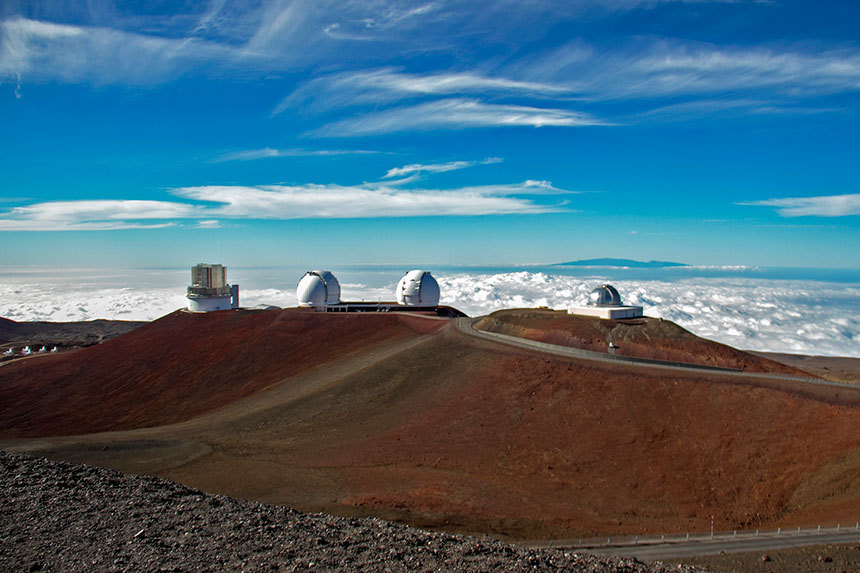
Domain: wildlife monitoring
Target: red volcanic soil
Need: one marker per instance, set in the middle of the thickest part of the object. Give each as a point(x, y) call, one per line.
point(644, 337)
point(470, 435)
point(180, 366)
point(448, 430)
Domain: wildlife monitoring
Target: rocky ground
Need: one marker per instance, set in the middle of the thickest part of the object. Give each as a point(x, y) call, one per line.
point(58, 516)
point(836, 558)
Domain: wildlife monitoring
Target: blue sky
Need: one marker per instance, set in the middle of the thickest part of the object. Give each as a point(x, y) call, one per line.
point(432, 132)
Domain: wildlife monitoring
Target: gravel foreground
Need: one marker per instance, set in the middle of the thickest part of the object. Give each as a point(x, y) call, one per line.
point(57, 516)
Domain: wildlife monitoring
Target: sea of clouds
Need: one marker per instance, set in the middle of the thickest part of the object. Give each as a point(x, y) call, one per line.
point(806, 317)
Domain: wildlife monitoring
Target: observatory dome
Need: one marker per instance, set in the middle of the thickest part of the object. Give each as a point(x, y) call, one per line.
point(418, 288)
point(604, 295)
point(318, 288)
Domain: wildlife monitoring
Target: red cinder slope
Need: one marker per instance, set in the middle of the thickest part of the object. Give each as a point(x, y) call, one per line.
point(182, 365)
point(644, 337)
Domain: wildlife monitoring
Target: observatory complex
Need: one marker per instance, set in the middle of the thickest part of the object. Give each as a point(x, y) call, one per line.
point(319, 291)
point(605, 302)
point(209, 289)
point(416, 291)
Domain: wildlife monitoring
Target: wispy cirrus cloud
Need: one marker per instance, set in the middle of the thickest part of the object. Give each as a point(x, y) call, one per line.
point(648, 68)
point(455, 113)
point(71, 53)
point(437, 167)
point(385, 85)
point(821, 206)
point(269, 152)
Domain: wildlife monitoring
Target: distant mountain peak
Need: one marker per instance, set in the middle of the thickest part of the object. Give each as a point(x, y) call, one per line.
point(621, 263)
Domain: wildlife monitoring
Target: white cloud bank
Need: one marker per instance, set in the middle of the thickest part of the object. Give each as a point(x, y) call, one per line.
point(105, 215)
point(804, 317)
point(756, 314)
point(208, 204)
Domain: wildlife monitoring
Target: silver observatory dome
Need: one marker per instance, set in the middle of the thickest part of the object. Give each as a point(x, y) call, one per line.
point(317, 289)
point(604, 295)
point(417, 288)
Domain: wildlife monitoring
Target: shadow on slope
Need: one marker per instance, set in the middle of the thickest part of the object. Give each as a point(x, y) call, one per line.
point(181, 366)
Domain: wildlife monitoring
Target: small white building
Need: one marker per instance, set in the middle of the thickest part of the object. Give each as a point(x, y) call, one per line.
point(605, 302)
point(417, 288)
point(209, 290)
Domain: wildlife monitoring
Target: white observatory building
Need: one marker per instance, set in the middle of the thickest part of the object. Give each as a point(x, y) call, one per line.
point(417, 288)
point(417, 291)
point(605, 302)
point(209, 289)
point(318, 290)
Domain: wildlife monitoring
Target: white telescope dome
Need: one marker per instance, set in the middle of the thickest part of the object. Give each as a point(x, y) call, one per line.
point(418, 288)
point(318, 288)
point(604, 295)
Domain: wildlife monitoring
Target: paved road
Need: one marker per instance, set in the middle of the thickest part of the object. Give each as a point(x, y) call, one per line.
point(680, 548)
point(466, 325)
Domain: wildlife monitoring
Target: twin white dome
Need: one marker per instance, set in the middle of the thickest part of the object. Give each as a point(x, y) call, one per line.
point(318, 288)
point(418, 288)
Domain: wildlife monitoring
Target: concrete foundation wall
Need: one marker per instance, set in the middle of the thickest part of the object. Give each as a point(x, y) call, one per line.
point(608, 312)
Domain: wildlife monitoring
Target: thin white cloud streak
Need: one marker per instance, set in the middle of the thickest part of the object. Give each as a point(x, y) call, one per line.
point(269, 152)
point(210, 204)
point(822, 206)
point(104, 215)
point(702, 109)
point(455, 113)
point(389, 85)
point(437, 167)
point(336, 201)
point(662, 68)
point(208, 224)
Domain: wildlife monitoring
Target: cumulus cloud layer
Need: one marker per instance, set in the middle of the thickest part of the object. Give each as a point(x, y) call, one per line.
point(804, 317)
point(769, 315)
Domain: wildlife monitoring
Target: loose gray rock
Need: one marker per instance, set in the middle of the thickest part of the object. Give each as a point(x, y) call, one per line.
point(57, 516)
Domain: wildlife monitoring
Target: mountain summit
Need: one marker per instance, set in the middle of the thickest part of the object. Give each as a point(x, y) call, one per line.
point(620, 263)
